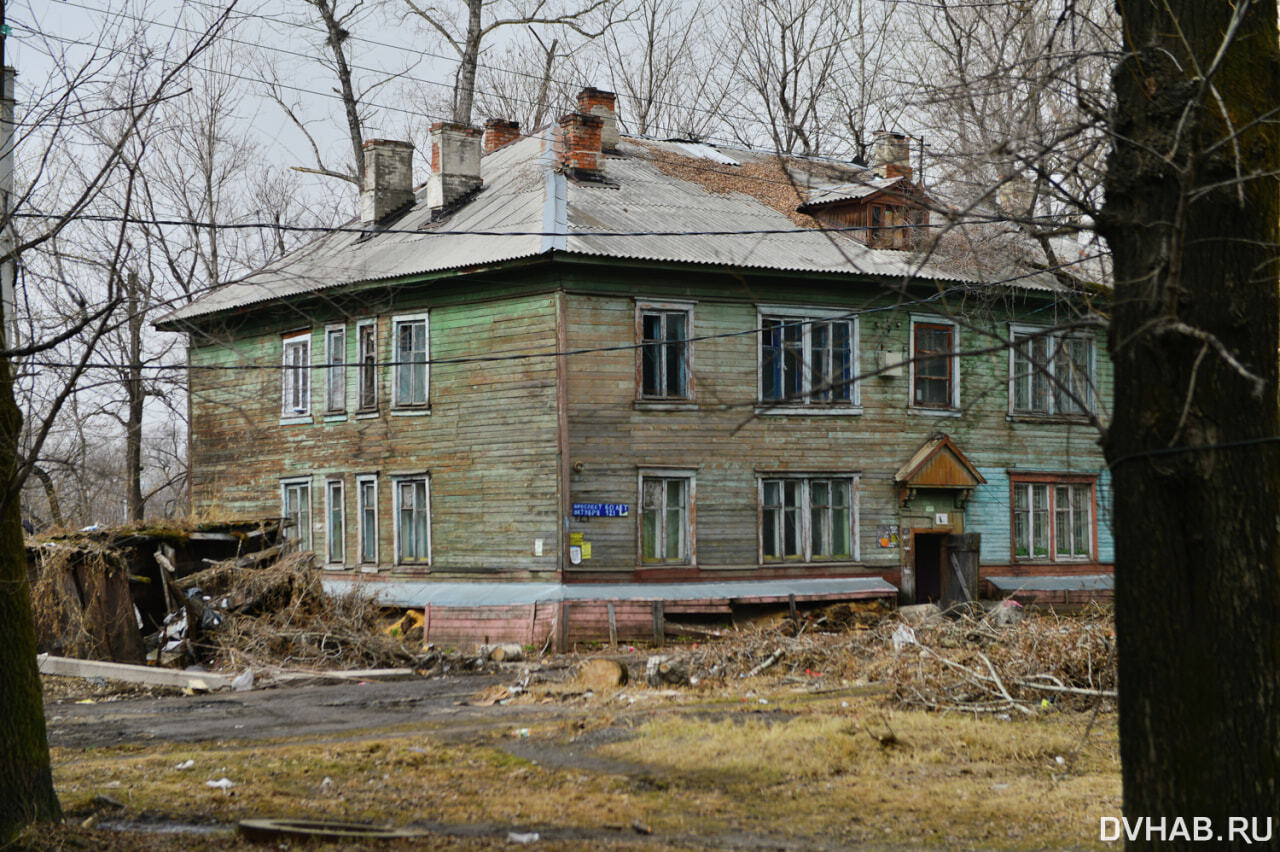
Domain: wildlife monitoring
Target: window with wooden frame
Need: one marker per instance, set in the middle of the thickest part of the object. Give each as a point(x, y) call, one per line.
point(808, 359)
point(335, 522)
point(295, 498)
point(1053, 518)
point(296, 376)
point(808, 518)
point(335, 372)
point(367, 518)
point(412, 519)
point(666, 517)
point(367, 357)
point(410, 377)
point(1050, 373)
point(934, 368)
point(665, 353)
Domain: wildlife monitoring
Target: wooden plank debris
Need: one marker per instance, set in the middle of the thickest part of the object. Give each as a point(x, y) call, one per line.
point(151, 675)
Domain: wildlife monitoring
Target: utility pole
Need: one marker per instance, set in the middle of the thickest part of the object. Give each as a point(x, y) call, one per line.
point(8, 241)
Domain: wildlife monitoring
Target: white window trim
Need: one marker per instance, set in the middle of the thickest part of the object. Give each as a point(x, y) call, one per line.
point(954, 409)
point(335, 413)
point(854, 406)
point(855, 535)
point(361, 480)
point(295, 416)
point(328, 518)
point(396, 479)
point(292, 481)
point(367, 411)
point(690, 515)
point(1049, 334)
point(410, 407)
point(646, 305)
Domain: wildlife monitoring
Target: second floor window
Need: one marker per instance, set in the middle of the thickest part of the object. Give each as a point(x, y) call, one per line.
point(335, 374)
point(807, 360)
point(664, 354)
point(410, 373)
point(367, 353)
point(296, 384)
point(933, 365)
point(1051, 373)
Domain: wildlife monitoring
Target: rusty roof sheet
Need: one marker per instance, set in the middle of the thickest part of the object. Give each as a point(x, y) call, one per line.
point(657, 204)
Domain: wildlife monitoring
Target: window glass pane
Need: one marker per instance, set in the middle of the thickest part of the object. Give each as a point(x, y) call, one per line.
point(1062, 528)
point(649, 536)
point(770, 360)
point(1021, 374)
point(840, 546)
point(842, 360)
point(674, 533)
point(792, 359)
point(675, 357)
point(1081, 511)
point(820, 361)
point(1040, 374)
point(368, 522)
point(335, 532)
point(651, 368)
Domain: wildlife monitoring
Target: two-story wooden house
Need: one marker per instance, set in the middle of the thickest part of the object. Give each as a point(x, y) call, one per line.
point(580, 382)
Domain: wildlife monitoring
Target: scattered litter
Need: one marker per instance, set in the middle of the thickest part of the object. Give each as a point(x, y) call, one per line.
point(902, 637)
point(224, 784)
point(520, 732)
point(186, 764)
point(1060, 760)
point(517, 837)
point(243, 682)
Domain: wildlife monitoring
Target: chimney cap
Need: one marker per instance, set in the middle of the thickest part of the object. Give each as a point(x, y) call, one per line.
point(386, 143)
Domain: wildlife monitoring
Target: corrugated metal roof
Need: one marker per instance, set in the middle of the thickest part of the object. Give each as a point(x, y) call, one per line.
point(847, 191)
point(527, 207)
point(1055, 583)
point(420, 593)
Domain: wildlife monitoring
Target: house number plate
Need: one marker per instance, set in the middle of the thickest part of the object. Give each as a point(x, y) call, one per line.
point(600, 510)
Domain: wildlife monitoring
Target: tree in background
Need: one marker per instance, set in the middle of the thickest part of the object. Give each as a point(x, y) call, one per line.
point(1193, 219)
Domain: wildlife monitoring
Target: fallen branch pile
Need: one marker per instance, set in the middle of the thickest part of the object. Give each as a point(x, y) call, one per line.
point(970, 662)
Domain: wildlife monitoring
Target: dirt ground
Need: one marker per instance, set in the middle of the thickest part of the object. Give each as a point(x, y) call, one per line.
point(768, 762)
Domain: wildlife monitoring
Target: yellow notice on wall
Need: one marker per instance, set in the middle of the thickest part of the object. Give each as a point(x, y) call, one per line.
point(586, 550)
point(575, 538)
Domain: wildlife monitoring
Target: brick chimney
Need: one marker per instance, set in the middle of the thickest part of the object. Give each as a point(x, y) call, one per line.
point(500, 132)
point(592, 101)
point(388, 179)
point(455, 163)
point(580, 145)
point(891, 155)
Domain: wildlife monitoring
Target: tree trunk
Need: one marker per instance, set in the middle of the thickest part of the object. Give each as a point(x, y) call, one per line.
point(336, 36)
point(1192, 443)
point(464, 92)
point(135, 393)
point(26, 783)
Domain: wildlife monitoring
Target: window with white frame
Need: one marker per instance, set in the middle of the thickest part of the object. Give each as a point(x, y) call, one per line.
point(664, 351)
point(335, 373)
point(1051, 373)
point(296, 374)
point(410, 375)
point(808, 518)
point(1053, 519)
point(335, 522)
point(666, 529)
point(413, 519)
point(367, 510)
point(934, 366)
point(808, 358)
point(295, 495)
point(367, 356)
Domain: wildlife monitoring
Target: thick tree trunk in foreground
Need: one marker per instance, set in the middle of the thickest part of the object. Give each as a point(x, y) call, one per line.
point(1194, 229)
point(26, 785)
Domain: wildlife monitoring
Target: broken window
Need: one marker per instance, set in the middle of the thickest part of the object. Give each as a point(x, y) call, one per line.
point(1052, 519)
point(296, 499)
point(1051, 373)
point(367, 507)
point(412, 513)
point(664, 353)
point(367, 384)
point(807, 519)
point(665, 530)
point(933, 365)
point(335, 374)
point(296, 384)
point(335, 522)
point(807, 360)
point(410, 373)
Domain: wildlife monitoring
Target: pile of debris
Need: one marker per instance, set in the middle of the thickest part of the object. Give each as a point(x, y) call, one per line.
point(227, 595)
point(976, 661)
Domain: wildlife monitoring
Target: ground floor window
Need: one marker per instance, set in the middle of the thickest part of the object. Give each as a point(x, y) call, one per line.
point(335, 522)
point(367, 509)
point(412, 519)
point(296, 500)
point(807, 518)
point(1053, 519)
point(666, 529)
